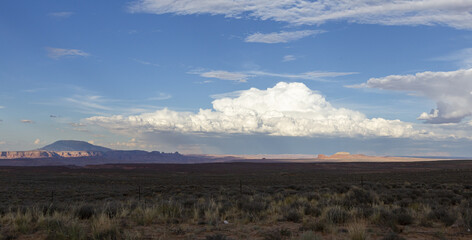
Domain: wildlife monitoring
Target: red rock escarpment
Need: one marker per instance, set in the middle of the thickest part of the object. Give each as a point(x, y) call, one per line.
point(47, 154)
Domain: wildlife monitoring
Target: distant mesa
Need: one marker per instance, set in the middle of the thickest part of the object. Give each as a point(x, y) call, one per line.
point(79, 153)
point(70, 152)
point(345, 156)
point(73, 145)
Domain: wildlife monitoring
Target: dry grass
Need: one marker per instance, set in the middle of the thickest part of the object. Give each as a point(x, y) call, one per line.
point(357, 229)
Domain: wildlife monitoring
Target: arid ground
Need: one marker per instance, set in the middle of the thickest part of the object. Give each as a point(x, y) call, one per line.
point(418, 200)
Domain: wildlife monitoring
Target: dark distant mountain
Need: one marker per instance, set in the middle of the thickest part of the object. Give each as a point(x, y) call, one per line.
point(69, 152)
point(72, 145)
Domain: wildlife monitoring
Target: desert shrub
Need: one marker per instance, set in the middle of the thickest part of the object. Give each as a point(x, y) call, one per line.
point(143, 216)
point(384, 217)
point(277, 234)
point(292, 215)
point(49, 209)
point(405, 202)
point(112, 208)
point(85, 212)
point(255, 206)
point(364, 212)
point(310, 236)
point(317, 226)
point(386, 198)
point(71, 231)
point(442, 215)
point(392, 236)
point(217, 237)
point(358, 196)
point(402, 216)
point(313, 196)
point(404, 219)
point(466, 214)
point(425, 222)
point(312, 210)
point(169, 211)
point(336, 215)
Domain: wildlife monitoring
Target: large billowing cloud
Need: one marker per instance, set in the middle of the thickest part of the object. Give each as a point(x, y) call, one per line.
point(287, 109)
point(452, 92)
point(453, 13)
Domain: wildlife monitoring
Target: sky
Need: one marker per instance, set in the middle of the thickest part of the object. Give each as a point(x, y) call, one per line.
point(239, 77)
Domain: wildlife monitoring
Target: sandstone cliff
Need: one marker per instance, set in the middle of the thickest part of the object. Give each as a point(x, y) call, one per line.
point(47, 154)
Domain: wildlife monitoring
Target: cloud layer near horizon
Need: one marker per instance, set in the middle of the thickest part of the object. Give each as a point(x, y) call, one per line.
point(452, 13)
point(287, 109)
point(452, 92)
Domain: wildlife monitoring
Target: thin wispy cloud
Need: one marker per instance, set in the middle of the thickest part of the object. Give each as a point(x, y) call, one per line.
point(289, 58)
point(61, 14)
point(27, 121)
point(225, 75)
point(33, 90)
point(73, 124)
point(89, 103)
point(463, 58)
point(280, 37)
point(314, 75)
point(245, 76)
point(57, 53)
point(233, 94)
point(146, 62)
point(160, 96)
point(452, 13)
point(1, 107)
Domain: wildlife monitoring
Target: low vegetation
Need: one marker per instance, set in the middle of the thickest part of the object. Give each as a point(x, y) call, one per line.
point(297, 203)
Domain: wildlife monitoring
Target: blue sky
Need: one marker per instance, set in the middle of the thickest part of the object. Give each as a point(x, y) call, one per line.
point(387, 78)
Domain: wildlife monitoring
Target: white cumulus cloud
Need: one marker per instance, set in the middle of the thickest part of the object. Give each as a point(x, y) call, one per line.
point(452, 13)
point(280, 37)
point(287, 109)
point(57, 53)
point(452, 92)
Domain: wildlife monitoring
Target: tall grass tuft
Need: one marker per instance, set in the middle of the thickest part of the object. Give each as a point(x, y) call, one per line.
point(357, 230)
point(104, 228)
